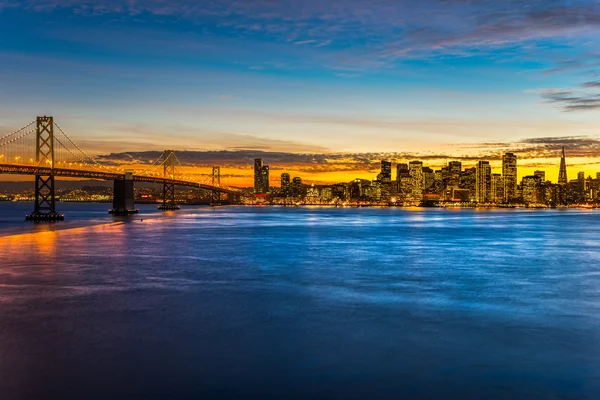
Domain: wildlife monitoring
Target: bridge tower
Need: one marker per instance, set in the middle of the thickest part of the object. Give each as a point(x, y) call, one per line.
point(45, 204)
point(216, 181)
point(168, 203)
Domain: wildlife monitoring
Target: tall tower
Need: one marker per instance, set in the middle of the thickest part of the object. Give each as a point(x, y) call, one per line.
point(562, 173)
point(258, 185)
point(509, 175)
point(483, 182)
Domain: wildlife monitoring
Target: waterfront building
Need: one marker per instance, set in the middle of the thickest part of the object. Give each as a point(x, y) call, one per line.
point(286, 185)
point(509, 175)
point(497, 189)
point(326, 194)
point(385, 179)
point(468, 182)
point(483, 182)
point(531, 189)
point(415, 169)
point(261, 177)
point(297, 188)
point(258, 186)
point(312, 194)
point(339, 191)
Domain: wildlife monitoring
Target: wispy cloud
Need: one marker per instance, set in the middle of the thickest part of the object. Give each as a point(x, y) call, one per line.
point(383, 28)
point(568, 100)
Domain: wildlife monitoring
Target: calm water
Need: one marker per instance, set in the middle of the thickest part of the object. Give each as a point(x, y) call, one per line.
point(269, 303)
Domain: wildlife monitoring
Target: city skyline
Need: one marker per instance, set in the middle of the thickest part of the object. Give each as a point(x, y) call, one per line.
point(418, 184)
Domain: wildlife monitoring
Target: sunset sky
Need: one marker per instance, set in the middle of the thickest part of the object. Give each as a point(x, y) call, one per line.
point(347, 81)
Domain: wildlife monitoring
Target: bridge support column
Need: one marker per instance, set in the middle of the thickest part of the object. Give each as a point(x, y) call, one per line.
point(168, 203)
point(216, 181)
point(44, 209)
point(123, 202)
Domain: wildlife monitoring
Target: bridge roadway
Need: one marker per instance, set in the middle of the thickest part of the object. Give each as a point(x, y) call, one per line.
point(17, 169)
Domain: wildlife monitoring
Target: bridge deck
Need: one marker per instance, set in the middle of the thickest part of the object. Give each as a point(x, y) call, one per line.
point(16, 169)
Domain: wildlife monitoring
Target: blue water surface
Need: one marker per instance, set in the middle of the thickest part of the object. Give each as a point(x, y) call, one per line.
point(297, 302)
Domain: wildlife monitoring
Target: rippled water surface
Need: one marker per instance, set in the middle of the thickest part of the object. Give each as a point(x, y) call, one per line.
point(266, 303)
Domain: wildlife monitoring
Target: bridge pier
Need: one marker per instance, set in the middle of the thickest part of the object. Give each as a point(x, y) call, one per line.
point(44, 209)
point(123, 199)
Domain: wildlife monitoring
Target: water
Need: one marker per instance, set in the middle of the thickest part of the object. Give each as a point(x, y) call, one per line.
point(269, 303)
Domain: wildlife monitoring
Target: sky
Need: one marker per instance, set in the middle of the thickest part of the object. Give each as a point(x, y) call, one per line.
point(347, 82)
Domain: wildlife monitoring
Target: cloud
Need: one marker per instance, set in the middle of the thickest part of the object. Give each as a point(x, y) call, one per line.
point(383, 28)
point(592, 84)
point(568, 100)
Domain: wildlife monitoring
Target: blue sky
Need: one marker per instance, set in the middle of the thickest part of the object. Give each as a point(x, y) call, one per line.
point(303, 76)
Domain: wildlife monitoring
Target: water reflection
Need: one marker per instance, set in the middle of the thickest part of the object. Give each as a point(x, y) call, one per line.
point(271, 302)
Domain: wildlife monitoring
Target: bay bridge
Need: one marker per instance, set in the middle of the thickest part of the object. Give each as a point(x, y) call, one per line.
point(43, 149)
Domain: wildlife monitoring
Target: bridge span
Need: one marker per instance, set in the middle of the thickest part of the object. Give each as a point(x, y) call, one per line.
point(46, 149)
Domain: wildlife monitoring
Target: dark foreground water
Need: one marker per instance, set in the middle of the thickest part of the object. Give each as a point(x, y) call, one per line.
point(280, 303)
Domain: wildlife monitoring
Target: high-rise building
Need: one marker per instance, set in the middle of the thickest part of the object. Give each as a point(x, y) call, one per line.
point(455, 167)
point(562, 173)
point(483, 182)
point(429, 180)
point(385, 179)
point(264, 176)
point(385, 176)
point(261, 177)
point(415, 169)
point(258, 185)
point(297, 188)
point(531, 187)
point(497, 190)
point(401, 171)
point(468, 182)
point(509, 175)
point(285, 185)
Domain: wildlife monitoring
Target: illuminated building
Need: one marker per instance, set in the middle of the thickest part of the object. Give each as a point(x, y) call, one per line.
point(531, 187)
point(562, 173)
point(483, 182)
point(326, 194)
point(297, 188)
point(261, 177)
point(509, 175)
point(468, 182)
point(385, 179)
point(415, 169)
point(312, 194)
point(286, 185)
point(497, 189)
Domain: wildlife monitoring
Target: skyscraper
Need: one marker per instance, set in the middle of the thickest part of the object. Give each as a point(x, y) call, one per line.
point(483, 182)
point(264, 174)
point(285, 185)
point(497, 190)
point(297, 187)
point(385, 178)
point(261, 177)
point(562, 173)
point(509, 175)
point(258, 164)
point(418, 179)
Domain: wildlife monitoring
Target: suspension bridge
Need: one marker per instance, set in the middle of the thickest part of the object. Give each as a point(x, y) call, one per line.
point(43, 149)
